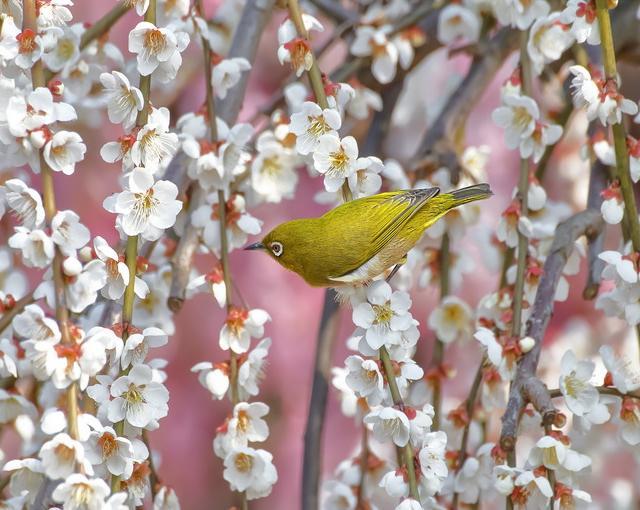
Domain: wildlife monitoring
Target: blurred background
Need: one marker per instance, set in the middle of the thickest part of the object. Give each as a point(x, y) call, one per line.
point(184, 438)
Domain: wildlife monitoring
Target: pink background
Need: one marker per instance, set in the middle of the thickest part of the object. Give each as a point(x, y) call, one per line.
point(185, 437)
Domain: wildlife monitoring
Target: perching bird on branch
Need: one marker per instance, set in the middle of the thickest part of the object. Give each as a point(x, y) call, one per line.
point(361, 239)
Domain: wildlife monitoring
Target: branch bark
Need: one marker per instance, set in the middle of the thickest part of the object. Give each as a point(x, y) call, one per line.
point(442, 142)
point(526, 387)
point(312, 463)
point(245, 43)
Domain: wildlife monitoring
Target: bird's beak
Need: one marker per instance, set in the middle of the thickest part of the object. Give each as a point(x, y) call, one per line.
point(255, 246)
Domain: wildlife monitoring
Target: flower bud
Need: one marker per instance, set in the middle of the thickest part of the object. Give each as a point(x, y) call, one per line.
point(85, 254)
point(38, 138)
point(56, 87)
point(526, 344)
point(72, 266)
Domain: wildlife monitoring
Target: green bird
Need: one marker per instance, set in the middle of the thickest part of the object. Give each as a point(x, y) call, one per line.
point(361, 239)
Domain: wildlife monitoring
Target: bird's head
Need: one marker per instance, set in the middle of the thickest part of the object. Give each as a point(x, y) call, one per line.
point(283, 244)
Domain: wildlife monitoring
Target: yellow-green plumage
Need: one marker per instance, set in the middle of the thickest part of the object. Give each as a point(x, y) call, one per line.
point(360, 239)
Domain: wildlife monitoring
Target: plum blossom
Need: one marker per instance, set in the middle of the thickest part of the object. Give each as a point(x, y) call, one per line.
point(251, 371)
point(60, 455)
point(622, 376)
point(157, 50)
point(579, 394)
point(519, 13)
point(138, 399)
point(154, 145)
point(273, 170)
point(458, 23)
point(432, 463)
point(123, 100)
point(240, 224)
point(146, 208)
point(294, 47)
point(37, 109)
point(583, 20)
point(78, 491)
point(549, 38)
point(242, 325)
point(247, 424)
point(213, 378)
point(384, 315)
point(312, 122)
point(601, 97)
point(25, 202)
point(250, 470)
point(389, 424)
point(104, 446)
point(137, 345)
point(226, 74)
point(335, 158)
point(68, 233)
point(117, 272)
point(365, 378)
point(373, 42)
point(612, 207)
point(214, 280)
point(36, 246)
point(451, 319)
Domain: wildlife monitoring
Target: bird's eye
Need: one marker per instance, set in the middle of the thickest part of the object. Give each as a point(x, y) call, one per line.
point(276, 248)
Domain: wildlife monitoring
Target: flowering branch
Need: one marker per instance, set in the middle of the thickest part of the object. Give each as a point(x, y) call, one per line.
point(407, 452)
point(131, 247)
point(442, 142)
point(618, 129)
point(49, 199)
point(523, 191)
point(526, 386)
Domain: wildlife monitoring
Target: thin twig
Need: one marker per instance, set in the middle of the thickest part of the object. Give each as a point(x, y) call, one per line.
point(407, 451)
point(245, 43)
point(7, 317)
point(595, 241)
point(438, 346)
point(131, 247)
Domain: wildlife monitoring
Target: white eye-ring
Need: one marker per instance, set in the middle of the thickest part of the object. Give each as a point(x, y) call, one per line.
point(276, 248)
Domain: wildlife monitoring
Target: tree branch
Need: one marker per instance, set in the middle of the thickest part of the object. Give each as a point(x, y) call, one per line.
point(443, 141)
point(526, 387)
point(312, 463)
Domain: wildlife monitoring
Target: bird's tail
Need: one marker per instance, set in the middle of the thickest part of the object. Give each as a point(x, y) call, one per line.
point(471, 194)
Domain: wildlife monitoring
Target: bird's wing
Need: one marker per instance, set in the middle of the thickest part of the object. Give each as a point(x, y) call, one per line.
point(386, 214)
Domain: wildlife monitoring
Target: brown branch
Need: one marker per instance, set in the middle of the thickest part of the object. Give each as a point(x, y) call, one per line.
point(334, 10)
point(595, 240)
point(443, 141)
point(603, 390)
point(469, 405)
point(245, 43)
point(182, 259)
point(526, 387)
point(7, 317)
point(312, 463)
point(254, 18)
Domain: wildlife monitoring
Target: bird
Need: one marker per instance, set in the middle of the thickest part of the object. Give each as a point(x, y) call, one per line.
point(361, 239)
